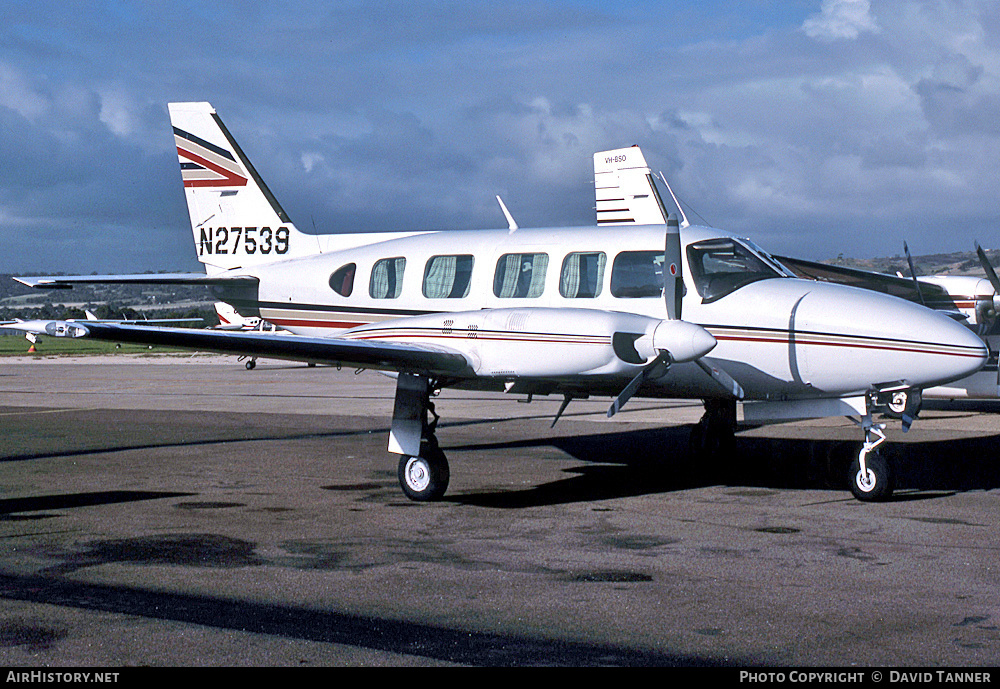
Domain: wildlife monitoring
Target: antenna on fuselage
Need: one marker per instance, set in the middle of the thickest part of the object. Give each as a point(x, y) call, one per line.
point(510, 218)
point(319, 245)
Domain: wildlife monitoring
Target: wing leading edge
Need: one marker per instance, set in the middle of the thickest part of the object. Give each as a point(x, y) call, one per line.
point(386, 356)
point(67, 281)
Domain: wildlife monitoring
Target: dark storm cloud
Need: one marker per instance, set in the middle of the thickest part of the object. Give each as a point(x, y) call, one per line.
point(829, 126)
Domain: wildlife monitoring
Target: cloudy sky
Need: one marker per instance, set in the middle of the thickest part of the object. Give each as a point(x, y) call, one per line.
point(817, 127)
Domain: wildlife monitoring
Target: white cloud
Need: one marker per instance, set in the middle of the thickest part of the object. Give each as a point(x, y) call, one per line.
point(310, 159)
point(18, 95)
point(841, 19)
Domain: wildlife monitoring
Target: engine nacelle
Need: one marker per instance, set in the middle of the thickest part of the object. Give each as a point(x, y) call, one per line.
point(547, 343)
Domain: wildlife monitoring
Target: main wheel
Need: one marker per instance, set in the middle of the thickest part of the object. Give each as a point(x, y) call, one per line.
point(426, 477)
point(876, 483)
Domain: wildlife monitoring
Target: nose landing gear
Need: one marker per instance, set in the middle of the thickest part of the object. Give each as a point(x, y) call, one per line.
point(870, 474)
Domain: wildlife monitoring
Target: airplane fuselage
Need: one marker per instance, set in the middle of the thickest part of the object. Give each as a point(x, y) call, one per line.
point(778, 336)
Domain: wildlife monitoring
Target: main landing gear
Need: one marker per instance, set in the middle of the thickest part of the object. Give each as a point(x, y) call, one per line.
point(714, 435)
point(423, 469)
point(712, 444)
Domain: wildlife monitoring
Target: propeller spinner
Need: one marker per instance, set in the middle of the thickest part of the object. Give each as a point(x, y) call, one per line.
point(676, 340)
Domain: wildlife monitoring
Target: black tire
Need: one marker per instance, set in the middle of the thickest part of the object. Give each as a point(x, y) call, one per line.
point(878, 484)
point(712, 439)
point(251, 365)
point(424, 478)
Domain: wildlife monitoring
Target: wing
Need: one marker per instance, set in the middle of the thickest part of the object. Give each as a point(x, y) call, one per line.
point(427, 360)
point(67, 281)
point(877, 282)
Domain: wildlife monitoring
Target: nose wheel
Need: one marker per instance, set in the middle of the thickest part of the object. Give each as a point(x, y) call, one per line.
point(873, 482)
point(870, 474)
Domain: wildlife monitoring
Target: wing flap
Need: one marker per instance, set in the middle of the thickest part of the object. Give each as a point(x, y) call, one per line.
point(385, 356)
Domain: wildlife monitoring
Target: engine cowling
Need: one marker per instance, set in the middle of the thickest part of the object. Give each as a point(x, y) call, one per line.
point(545, 342)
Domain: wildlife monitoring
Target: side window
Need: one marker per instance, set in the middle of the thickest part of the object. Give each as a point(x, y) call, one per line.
point(582, 275)
point(637, 274)
point(520, 275)
point(447, 277)
point(387, 278)
point(342, 280)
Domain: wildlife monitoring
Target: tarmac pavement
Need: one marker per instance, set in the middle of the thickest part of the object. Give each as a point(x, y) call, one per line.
point(183, 511)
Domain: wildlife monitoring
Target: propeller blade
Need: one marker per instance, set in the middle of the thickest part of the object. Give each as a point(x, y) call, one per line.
point(673, 277)
point(988, 267)
point(913, 274)
point(647, 371)
point(673, 293)
point(725, 381)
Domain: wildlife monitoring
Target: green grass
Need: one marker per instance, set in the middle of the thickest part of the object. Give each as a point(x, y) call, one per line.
point(68, 346)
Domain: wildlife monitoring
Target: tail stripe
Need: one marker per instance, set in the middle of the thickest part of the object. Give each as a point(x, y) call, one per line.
point(205, 165)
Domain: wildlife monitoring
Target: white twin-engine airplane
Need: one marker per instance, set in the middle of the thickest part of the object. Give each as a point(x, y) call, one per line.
point(647, 310)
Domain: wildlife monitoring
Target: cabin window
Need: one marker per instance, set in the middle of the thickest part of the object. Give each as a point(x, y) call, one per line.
point(637, 274)
point(448, 277)
point(342, 280)
point(520, 276)
point(721, 266)
point(387, 278)
point(582, 275)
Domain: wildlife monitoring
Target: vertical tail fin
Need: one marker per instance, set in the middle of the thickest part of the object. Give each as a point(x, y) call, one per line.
point(626, 193)
point(235, 219)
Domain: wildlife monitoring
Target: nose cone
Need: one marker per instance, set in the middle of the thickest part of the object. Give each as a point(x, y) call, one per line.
point(859, 337)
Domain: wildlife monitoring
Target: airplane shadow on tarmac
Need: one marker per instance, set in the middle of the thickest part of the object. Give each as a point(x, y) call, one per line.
point(649, 461)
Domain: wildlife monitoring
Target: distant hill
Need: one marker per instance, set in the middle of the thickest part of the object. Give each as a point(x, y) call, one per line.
point(958, 263)
point(106, 301)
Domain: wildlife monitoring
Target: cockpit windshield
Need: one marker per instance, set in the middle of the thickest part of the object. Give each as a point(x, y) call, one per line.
point(781, 268)
point(721, 266)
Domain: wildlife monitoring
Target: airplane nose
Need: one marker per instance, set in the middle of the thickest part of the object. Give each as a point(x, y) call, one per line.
point(864, 338)
point(957, 351)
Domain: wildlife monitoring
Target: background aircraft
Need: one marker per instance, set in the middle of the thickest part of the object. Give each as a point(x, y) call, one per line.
point(577, 312)
point(229, 319)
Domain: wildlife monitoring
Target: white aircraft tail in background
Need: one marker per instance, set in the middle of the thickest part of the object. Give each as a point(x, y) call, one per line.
point(229, 319)
point(626, 193)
